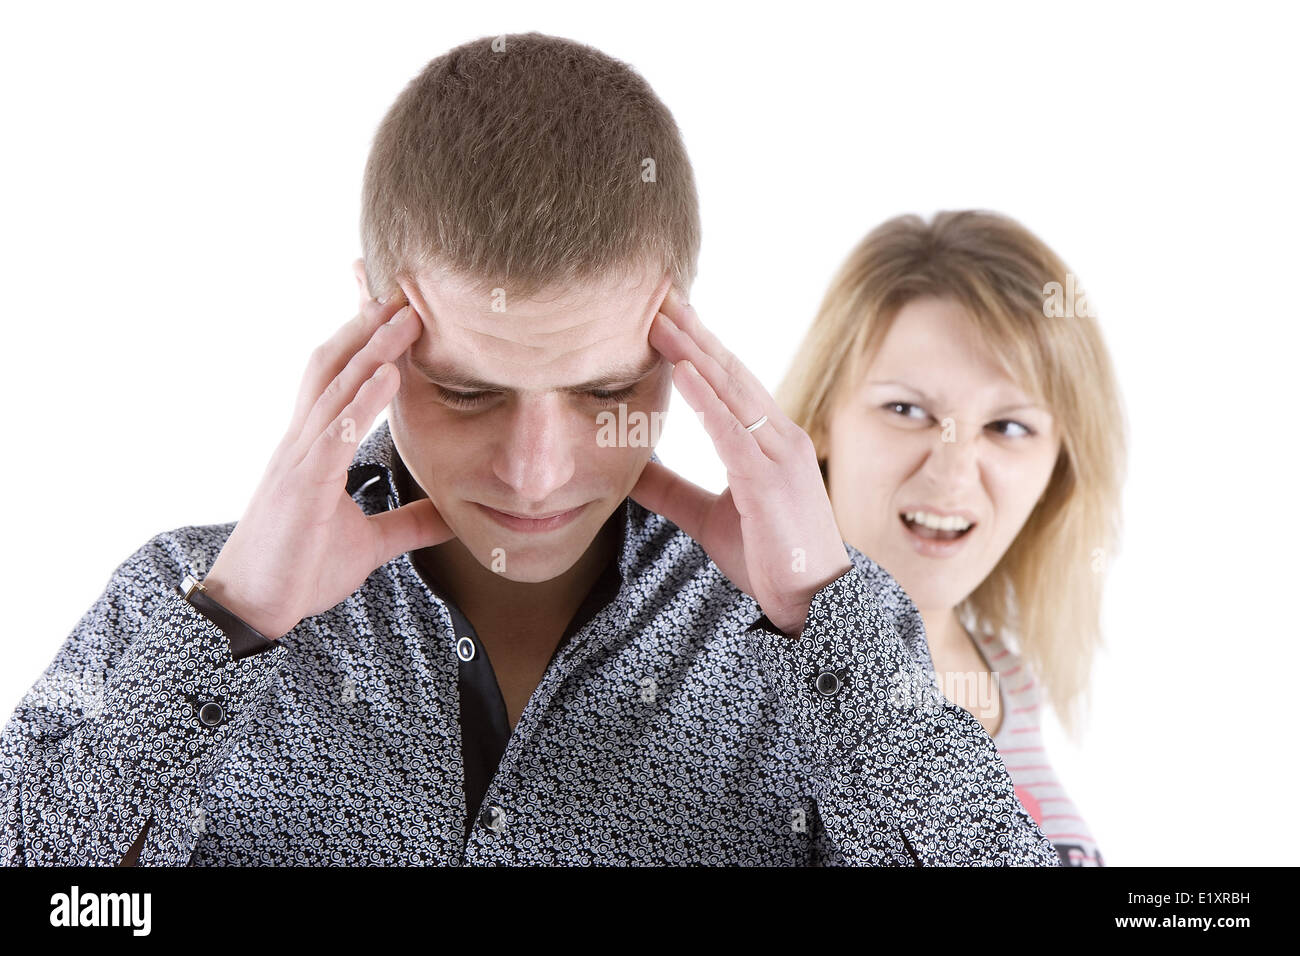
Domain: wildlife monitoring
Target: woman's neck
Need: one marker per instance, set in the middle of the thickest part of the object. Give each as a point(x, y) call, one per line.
point(944, 632)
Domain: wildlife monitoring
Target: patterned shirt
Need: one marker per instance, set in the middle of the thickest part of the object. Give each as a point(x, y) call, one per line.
point(674, 726)
point(1020, 743)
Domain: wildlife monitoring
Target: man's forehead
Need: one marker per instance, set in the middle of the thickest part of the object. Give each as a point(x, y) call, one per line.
point(555, 310)
point(594, 334)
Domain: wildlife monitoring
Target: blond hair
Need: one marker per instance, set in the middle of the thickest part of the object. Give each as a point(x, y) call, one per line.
point(1044, 595)
point(526, 160)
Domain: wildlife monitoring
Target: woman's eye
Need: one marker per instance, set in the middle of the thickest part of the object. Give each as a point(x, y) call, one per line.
point(1024, 430)
point(894, 406)
point(1006, 427)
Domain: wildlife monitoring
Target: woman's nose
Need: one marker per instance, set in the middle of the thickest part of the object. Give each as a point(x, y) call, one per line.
point(956, 447)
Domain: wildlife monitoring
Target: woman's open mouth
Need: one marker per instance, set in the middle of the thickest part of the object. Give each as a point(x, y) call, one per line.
point(927, 529)
point(935, 535)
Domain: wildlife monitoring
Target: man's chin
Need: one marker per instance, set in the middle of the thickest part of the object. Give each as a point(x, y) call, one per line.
point(528, 564)
point(533, 557)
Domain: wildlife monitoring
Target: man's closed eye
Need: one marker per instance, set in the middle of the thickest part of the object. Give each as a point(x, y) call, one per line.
point(471, 400)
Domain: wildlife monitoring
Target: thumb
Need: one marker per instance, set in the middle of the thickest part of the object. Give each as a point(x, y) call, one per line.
point(662, 490)
point(409, 528)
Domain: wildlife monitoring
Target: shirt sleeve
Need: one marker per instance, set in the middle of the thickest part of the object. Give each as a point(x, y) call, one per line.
point(140, 706)
point(244, 639)
point(901, 775)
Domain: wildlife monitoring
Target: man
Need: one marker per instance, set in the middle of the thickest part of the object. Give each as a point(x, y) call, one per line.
point(501, 630)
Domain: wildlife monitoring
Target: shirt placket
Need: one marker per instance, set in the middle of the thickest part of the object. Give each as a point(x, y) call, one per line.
point(492, 838)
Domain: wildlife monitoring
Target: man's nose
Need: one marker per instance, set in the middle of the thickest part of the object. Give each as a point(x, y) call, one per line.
point(535, 453)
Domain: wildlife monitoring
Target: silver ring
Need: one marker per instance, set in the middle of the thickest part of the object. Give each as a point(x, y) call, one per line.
point(758, 424)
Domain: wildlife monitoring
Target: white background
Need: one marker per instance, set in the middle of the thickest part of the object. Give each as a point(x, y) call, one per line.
point(180, 204)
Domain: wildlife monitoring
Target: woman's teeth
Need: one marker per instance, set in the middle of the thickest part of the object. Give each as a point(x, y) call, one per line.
point(936, 527)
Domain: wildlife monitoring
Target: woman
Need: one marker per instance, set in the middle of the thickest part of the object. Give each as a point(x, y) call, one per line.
point(968, 423)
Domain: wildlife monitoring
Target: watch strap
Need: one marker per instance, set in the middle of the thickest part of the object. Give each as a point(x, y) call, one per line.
point(245, 640)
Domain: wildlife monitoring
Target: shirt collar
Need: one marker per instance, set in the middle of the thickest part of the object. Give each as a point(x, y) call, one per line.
point(372, 469)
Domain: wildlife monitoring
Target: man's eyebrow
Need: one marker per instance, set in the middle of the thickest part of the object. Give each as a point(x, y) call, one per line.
point(452, 377)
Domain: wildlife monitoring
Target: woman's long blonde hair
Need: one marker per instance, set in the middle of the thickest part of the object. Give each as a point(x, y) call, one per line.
point(1044, 595)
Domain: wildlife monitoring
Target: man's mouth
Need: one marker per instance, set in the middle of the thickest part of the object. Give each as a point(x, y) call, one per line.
point(517, 523)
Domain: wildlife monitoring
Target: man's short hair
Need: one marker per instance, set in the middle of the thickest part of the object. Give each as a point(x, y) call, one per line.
point(523, 161)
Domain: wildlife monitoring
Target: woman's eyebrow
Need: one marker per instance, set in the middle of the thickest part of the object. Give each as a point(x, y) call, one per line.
point(444, 373)
point(1014, 407)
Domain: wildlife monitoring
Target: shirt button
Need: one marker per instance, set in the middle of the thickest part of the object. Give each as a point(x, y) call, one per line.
point(493, 817)
point(828, 685)
point(465, 649)
point(211, 714)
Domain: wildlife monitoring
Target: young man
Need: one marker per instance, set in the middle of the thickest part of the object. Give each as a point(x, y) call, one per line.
point(500, 630)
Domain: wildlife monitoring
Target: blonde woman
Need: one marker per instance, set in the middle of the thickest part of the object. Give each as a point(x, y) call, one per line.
point(969, 427)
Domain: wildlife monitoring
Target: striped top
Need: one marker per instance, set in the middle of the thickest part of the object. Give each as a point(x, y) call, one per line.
point(1020, 743)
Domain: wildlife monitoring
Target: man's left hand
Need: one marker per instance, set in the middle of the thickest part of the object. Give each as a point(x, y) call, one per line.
point(772, 531)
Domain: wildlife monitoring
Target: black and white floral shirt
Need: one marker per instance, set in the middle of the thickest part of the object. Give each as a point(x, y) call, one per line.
point(673, 726)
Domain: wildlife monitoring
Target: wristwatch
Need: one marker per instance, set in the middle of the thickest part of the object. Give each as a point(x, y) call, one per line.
point(245, 640)
point(190, 584)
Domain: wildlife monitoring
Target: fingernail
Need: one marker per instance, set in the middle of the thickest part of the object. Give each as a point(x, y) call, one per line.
point(399, 315)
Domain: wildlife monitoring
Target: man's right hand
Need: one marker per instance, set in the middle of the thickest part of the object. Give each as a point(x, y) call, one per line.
point(303, 545)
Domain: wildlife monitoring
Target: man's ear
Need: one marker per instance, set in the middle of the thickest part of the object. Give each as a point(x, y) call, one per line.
point(359, 268)
point(665, 287)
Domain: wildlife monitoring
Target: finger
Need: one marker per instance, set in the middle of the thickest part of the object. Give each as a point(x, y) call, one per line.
point(750, 390)
point(331, 453)
point(408, 528)
point(674, 342)
point(387, 344)
point(330, 357)
point(663, 491)
point(738, 448)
